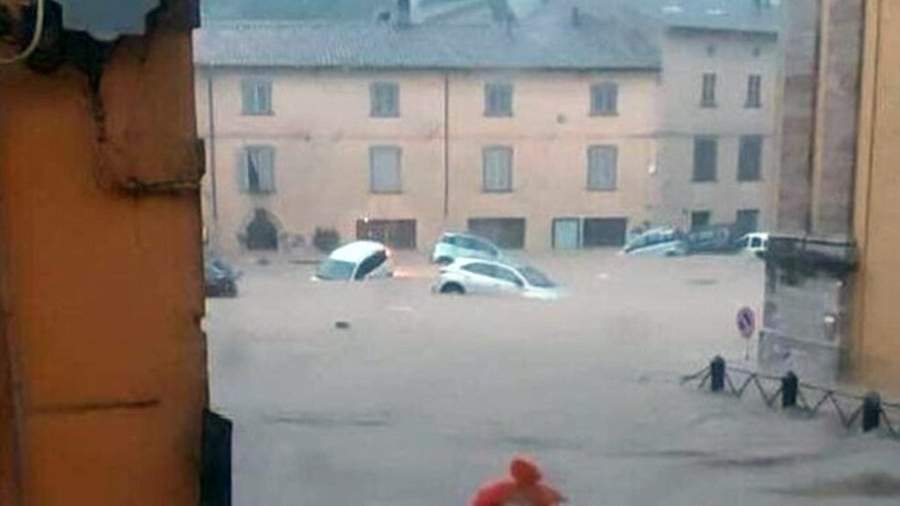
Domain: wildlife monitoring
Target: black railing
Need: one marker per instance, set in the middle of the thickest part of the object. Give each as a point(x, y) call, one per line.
point(871, 411)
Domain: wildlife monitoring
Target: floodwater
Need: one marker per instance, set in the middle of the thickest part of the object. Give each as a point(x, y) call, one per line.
point(425, 396)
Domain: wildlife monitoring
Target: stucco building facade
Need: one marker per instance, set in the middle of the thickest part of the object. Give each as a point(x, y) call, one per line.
point(565, 129)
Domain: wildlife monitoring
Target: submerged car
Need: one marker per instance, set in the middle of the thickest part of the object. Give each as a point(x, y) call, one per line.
point(712, 239)
point(478, 276)
point(356, 261)
point(219, 278)
point(453, 245)
point(663, 241)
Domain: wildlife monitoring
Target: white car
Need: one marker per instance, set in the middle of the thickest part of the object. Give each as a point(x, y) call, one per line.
point(356, 261)
point(478, 276)
point(454, 245)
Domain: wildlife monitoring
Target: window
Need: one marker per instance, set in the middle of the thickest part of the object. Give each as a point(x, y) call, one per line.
point(754, 91)
point(604, 99)
point(498, 99)
point(706, 152)
point(385, 100)
point(370, 264)
point(497, 169)
point(384, 169)
point(478, 268)
point(708, 93)
point(750, 158)
point(256, 172)
point(747, 221)
point(700, 219)
point(504, 274)
point(507, 233)
point(256, 97)
point(602, 167)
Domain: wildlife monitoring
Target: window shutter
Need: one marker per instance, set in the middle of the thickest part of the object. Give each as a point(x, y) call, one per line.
point(247, 97)
point(266, 168)
point(602, 167)
point(497, 169)
point(385, 169)
point(243, 179)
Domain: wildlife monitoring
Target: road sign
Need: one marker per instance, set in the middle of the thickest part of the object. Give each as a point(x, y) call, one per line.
point(746, 322)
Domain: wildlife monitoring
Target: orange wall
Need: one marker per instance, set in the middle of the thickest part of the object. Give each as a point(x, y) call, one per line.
point(877, 213)
point(102, 285)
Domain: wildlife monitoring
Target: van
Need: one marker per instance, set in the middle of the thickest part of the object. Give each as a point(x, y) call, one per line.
point(356, 261)
point(755, 243)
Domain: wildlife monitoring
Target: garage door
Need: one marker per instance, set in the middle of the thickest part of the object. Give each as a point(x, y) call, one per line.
point(598, 232)
point(508, 233)
point(399, 234)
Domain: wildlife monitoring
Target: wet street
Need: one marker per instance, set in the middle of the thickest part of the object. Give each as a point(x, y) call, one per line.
point(424, 396)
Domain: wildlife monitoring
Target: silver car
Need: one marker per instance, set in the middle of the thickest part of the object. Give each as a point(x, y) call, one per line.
point(477, 276)
point(455, 245)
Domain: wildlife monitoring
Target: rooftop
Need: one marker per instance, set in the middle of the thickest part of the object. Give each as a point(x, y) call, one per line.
point(547, 41)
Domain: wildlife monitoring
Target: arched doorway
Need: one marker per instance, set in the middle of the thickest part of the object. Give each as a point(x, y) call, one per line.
point(262, 234)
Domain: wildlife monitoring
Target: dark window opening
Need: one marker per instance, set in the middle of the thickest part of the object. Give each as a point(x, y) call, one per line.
point(262, 234)
point(700, 219)
point(603, 232)
point(708, 93)
point(498, 99)
point(508, 233)
point(399, 234)
point(706, 152)
point(750, 158)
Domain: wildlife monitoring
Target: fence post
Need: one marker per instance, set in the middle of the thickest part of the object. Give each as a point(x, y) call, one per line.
point(717, 374)
point(871, 411)
point(789, 386)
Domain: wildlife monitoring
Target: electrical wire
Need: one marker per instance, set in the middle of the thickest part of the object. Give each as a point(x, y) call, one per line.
point(35, 39)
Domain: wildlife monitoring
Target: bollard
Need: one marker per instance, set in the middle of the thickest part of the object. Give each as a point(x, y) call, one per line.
point(717, 374)
point(871, 411)
point(790, 384)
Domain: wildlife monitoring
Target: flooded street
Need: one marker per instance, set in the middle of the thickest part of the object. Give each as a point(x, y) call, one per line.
point(424, 396)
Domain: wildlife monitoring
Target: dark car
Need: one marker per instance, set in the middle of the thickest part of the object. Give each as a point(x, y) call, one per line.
point(712, 239)
point(220, 278)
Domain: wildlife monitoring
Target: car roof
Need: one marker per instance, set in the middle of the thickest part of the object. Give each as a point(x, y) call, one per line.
point(356, 251)
point(467, 234)
point(462, 261)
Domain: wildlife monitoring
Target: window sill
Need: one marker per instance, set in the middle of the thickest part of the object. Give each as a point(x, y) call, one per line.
point(499, 116)
point(602, 190)
point(384, 116)
point(258, 193)
point(752, 106)
point(709, 105)
point(701, 181)
point(603, 114)
point(386, 192)
point(485, 190)
point(269, 113)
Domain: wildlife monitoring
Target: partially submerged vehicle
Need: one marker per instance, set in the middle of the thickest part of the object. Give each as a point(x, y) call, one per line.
point(661, 241)
point(356, 261)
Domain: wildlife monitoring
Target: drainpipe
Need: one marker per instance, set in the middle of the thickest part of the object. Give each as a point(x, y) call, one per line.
point(446, 147)
point(212, 148)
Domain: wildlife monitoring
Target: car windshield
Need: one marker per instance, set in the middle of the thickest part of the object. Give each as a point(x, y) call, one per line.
point(332, 269)
point(536, 277)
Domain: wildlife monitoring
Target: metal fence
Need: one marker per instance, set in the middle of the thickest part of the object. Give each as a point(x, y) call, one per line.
point(787, 392)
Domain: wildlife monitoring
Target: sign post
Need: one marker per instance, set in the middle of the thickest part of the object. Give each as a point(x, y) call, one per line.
point(746, 325)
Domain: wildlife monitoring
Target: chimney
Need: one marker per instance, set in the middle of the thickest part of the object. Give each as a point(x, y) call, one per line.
point(404, 14)
point(576, 17)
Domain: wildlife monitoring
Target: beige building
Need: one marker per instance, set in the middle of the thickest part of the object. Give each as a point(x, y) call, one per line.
point(562, 129)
